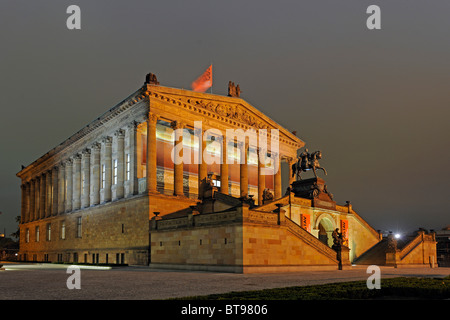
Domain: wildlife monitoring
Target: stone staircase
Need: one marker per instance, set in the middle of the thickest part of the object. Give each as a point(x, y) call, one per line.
point(310, 240)
point(376, 255)
point(390, 251)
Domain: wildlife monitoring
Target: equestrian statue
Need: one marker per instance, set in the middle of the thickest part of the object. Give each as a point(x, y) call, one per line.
point(307, 161)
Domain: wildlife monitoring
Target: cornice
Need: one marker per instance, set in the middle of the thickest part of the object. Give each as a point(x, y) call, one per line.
point(229, 110)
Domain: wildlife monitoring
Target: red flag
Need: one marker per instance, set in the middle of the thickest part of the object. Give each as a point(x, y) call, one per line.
point(204, 81)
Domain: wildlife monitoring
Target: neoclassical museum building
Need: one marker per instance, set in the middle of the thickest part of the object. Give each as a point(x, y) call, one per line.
point(115, 193)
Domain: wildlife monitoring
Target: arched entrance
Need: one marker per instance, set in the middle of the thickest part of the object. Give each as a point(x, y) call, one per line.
point(325, 226)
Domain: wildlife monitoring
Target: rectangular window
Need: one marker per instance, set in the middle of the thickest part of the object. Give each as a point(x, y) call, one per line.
point(37, 234)
point(49, 232)
point(27, 236)
point(216, 183)
point(63, 230)
point(144, 149)
point(128, 166)
point(103, 175)
point(115, 172)
point(79, 227)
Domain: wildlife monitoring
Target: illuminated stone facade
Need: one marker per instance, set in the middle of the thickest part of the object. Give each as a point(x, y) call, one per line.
point(92, 195)
point(93, 198)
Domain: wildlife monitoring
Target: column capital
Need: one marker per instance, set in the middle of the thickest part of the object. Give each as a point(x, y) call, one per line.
point(151, 117)
point(107, 140)
point(120, 133)
point(76, 157)
point(67, 162)
point(132, 125)
point(177, 124)
point(86, 152)
point(96, 146)
point(290, 160)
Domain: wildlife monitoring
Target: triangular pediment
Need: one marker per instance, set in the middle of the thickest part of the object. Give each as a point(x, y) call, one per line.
point(221, 107)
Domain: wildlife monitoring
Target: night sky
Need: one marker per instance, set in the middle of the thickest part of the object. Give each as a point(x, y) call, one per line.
point(375, 102)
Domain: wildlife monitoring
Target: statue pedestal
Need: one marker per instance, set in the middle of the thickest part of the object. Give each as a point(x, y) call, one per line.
point(316, 190)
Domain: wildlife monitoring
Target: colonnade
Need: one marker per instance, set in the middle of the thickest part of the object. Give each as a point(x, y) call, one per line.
point(107, 171)
point(103, 172)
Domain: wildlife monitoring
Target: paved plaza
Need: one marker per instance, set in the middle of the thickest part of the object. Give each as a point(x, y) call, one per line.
point(49, 282)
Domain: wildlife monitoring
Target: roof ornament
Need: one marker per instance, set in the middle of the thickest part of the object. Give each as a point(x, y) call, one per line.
point(233, 90)
point(151, 79)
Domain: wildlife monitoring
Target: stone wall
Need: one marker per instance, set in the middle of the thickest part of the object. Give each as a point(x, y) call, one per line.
point(113, 228)
point(420, 251)
point(242, 240)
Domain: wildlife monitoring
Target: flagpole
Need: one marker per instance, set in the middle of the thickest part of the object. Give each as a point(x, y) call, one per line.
point(211, 77)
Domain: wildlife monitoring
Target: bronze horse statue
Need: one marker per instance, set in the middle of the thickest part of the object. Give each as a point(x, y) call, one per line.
point(306, 162)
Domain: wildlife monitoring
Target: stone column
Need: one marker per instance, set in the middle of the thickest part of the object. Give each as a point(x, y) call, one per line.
point(262, 153)
point(151, 153)
point(32, 200)
point(26, 190)
point(61, 188)
point(202, 166)
point(243, 169)
point(106, 162)
point(37, 206)
point(48, 194)
point(119, 155)
point(23, 201)
point(131, 180)
point(76, 195)
point(178, 168)
point(28, 212)
point(95, 174)
point(277, 177)
point(54, 191)
point(68, 191)
point(224, 167)
point(42, 191)
point(85, 177)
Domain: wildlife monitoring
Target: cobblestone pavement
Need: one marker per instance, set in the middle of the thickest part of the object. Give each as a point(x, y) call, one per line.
point(49, 282)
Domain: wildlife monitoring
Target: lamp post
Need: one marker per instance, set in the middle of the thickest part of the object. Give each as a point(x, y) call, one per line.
point(151, 226)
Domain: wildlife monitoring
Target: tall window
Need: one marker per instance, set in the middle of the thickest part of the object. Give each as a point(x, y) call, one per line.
point(115, 172)
point(128, 166)
point(27, 236)
point(79, 227)
point(49, 232)
point(103, 175)
point(37, 234)
point(63, 230)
